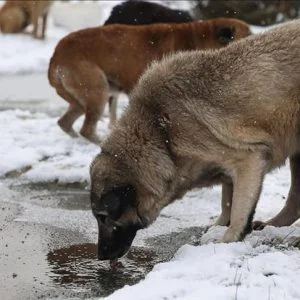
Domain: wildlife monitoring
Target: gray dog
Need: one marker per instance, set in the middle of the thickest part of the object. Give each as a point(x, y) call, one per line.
point(197, 119)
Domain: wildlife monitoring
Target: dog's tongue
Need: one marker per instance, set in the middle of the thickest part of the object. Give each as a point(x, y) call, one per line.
point(115, 264)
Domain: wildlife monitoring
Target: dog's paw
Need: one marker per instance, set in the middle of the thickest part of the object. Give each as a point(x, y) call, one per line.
point(230, 236)
point(213, 235)
point(222, 221)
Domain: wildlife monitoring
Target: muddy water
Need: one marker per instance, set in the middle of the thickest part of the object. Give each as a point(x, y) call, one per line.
point(76, 267)
point(43, 261)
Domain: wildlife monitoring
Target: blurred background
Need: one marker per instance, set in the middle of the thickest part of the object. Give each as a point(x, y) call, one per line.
point(255, 12)
point(22, 54)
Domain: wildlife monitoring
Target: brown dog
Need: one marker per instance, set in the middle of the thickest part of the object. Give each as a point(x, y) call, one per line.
point(15, 15)
point(197, 119)
point(91, 64)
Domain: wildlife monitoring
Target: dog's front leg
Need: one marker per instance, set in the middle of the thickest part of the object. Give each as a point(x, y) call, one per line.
point(113, 101)
point(247, 179)
point(35, 21)
point(224, 218)
point(44, 25)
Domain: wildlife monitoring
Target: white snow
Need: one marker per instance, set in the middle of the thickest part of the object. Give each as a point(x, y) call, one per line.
point(261, 267)
point(221, 271)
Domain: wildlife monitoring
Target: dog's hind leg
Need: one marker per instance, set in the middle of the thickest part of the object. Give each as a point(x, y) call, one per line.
point(94, 92)
point(35, 21)
point(113, 101)
point(71, 115)
point(89, 127)
point(224, 218)
point(247, 182)
point(44, 24)
point(84, 85)
point(67, 120)
point(291, 210)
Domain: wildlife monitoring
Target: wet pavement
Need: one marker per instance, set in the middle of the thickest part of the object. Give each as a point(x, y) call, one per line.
point(41, 261)
point(40, 258)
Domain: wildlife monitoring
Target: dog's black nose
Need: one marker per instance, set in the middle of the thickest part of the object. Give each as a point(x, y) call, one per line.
point(106, 252)
point(115, 244)
point(103, 252)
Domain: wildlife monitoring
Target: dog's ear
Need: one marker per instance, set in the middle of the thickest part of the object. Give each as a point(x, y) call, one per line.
point(225, 34)
point(118, 199)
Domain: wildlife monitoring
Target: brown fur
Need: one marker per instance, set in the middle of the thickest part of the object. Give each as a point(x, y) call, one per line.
point(90, 64)
point(15, 15)
point(197, 119)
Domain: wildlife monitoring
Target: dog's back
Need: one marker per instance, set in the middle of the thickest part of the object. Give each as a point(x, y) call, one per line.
point(87, 63)
point(257, 78)
point(134, 12)
point(123, 51)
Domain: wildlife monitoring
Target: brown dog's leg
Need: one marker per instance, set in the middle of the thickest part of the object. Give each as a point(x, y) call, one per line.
point(247, 182)
point(72, 114)
point(67, 120)
point(35, 21)
point(291, 210)
point(83, 84)
point(224, 218)
point(89, 127)
point(44, 25)
point(95, 94)
point(113, 101)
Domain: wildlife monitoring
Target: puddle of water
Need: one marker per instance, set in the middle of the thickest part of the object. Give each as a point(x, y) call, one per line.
point(77, 266)
point(70, 266)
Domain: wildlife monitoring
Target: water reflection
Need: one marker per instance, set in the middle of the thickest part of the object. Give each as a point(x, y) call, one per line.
point(77, 266)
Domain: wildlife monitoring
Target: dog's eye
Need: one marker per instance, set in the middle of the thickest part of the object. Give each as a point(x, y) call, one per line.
point(225, 35)
point(111, 202)
point(115, 201)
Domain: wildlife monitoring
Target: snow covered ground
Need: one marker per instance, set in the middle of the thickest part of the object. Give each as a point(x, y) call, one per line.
point(247, 270)
point(261, 267)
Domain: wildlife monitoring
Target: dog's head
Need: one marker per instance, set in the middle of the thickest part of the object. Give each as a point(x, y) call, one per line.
point(114, 204)
point(228, 30)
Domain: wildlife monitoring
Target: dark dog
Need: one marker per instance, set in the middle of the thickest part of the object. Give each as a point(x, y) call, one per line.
point(197, 119)
point(92, 65)
point(134, 12)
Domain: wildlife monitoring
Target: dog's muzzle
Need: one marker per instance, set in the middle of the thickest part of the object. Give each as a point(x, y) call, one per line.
point(114, 241)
